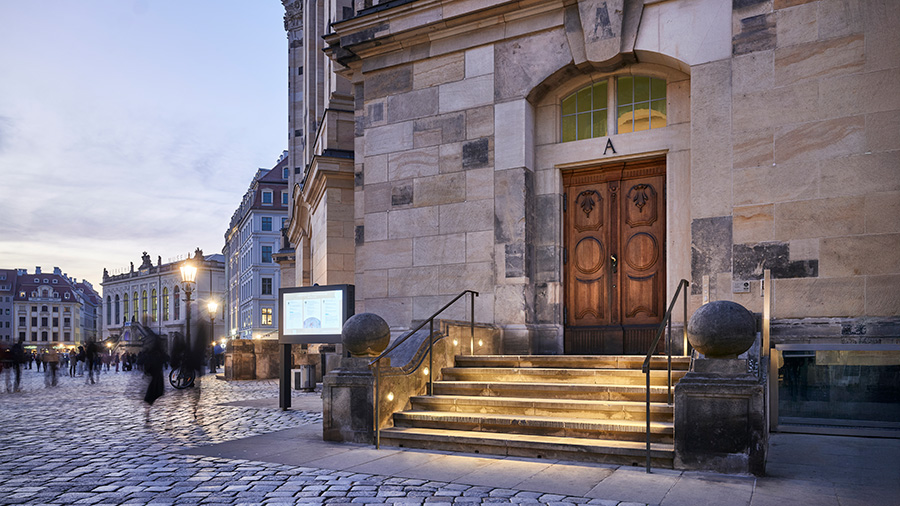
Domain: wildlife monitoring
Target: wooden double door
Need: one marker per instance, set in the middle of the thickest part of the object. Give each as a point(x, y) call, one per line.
point(614, 257)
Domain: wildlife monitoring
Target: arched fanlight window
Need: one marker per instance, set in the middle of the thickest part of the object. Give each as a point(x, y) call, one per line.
point(639, 103)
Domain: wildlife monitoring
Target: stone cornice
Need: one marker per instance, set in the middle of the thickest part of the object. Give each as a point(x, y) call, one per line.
point(424, 21)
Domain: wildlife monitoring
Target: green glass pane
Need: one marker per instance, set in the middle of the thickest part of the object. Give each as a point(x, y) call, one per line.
point(584, 100)
point(657, 88)
point(599, 123)
point(641, 89)
point(657, 114)
point(624, 123)
point(642, 116)
point(600, 95)
point(625, 90)
point(568, 128)
point(584, 126)
point(568, 105)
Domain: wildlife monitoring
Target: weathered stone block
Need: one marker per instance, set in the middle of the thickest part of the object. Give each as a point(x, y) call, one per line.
point(413, 163)
point(882, 295)
point(859, 93)
point(467, 93)
point(402, 193)
point(476, 153)
point(480, 122)
point(375, 226)
point(439, 249)
point(882, 211)
point(479, 61)
point(377, 197)
point(386, 255)
point(411, 105)
point(752, 224)
point(860, 255)
point(814, 297)
point(883, 131)
point(451, 157)
point(480, 246)
point(757, 33)
point(479, 183)
point(395, 80)
point(347, 395)
point(827, 58)
point(767, 184)
point(518, 72)
point(711, 240)
point(820, 218)
point(860, 174)
point(798, 25)
point(440, 189)
point(452, 126)
point(389, 138)
point(415, 222)
point(820, 140)
point(439, 70)
point(751, 259)
point(470, 216)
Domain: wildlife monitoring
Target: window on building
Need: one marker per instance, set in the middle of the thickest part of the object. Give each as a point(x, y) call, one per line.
point(267, 254)
point(285, 198)
point(56, 337)
point(33, 308)
point(44, 309)
point(266, 286)
point(153, 313)
point(584, 113)
point(176, 303)
point(34, 336)
point(34, 321)
point(118, 315)
point(285, 173)
point(56, 321)
point(266, 316)
point(22, 335)
point(134, 306)
point(267, 223)
point(165, 304)
point(67, 336)
point(125, 304)
point(67, 322)
point(641, 103)
point(21, 321)
point(267, 197)
point(44, 321)
point(44, 335)
point(283, 223)
point(108, 310)
point(143, 305)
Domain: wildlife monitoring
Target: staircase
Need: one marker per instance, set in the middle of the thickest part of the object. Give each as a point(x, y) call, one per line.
point(581, 408)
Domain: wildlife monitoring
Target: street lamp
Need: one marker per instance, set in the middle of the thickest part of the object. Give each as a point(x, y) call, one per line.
point(188, 274)
point(211, 306)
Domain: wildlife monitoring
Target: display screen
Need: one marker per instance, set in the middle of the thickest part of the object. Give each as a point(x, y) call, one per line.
point(315, 314)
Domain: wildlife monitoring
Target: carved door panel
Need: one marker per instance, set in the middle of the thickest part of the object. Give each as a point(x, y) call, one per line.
point(614, 257)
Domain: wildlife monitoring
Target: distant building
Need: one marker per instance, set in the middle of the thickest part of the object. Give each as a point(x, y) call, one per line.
point(49, 310)
point(7, 292)
point(253, 239)
point(154, 295)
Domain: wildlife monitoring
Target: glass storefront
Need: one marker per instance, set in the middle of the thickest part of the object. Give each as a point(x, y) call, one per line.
point(838, 389)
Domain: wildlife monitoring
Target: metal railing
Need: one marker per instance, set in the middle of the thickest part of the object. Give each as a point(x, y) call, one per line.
point(398, 342)
point(666, 321)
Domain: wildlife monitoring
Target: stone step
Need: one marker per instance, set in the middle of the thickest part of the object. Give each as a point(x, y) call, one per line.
point(628, 453)
point(556, 426)
point(572, 408)
point(571, 361)
point(556, 375)
point(600, 392)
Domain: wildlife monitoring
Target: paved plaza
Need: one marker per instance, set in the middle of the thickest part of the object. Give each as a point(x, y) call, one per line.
point(78, 443)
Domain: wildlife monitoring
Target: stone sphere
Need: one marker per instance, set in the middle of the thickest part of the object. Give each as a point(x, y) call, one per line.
point(365, 335)
point(722, 329)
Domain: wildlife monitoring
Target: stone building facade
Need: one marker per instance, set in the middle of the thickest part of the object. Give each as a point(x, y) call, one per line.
point(51, 309)
point(154, 295)
point(572, 161)
point(253, 240)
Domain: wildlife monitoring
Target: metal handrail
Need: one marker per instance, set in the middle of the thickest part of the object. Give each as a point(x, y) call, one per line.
point(377, 361)
point(666, 321)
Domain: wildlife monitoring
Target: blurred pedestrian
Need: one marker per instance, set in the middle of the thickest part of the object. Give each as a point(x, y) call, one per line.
point(116, 361)
point(73, 360)
point(154, 356)
point(6, 366)
point(90, 355)
point(50, 367)
point(18, 358)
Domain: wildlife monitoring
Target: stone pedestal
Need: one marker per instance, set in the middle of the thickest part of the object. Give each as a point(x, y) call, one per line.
point(347, 394)
point(720, 419)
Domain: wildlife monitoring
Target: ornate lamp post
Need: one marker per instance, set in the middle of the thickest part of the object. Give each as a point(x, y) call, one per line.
point(211, 306)
point(188, 274)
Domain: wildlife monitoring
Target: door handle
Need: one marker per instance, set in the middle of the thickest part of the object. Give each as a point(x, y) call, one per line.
point(615, 263)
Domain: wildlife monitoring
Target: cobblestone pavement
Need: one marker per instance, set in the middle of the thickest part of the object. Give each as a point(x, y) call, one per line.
point(78, 443)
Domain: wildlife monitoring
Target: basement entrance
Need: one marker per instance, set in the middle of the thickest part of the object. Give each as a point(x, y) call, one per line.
point(614, 224)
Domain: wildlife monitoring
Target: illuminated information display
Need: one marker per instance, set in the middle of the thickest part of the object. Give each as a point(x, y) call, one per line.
point(314, 314)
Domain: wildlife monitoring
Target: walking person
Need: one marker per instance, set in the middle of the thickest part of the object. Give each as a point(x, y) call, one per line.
point(6, 367)
point(154, 358)
point(116, 361)
point(18, 358)
point(51, 365)
point(73, 359)
point(90, 355)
